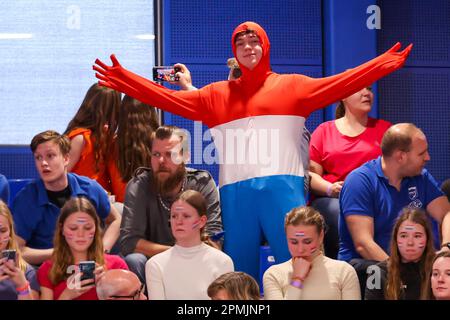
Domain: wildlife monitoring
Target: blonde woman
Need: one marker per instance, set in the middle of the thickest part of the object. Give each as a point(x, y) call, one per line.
point(17, 278)
point(309, 275)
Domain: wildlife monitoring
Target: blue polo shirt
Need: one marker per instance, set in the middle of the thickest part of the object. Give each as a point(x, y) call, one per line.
point(367, 192)
point(35, 216)
point(4, 189)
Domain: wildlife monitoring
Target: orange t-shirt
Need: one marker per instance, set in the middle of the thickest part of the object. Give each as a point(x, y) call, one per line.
point(86, 164)
point(118, 186)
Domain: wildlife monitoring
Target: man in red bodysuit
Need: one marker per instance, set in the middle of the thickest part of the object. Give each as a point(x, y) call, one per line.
point(257, 122)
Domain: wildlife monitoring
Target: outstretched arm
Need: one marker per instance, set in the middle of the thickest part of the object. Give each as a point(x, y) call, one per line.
point(187, 104)
point(318, 93)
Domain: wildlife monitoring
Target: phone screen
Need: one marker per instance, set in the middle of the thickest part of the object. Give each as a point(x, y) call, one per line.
point(162, 73)
point(9, 254)
point(87, 268)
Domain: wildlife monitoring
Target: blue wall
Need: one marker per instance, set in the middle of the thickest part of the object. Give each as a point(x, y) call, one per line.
point(320, 38)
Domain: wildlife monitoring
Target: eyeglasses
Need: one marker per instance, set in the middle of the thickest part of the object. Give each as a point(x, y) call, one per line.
point(134, 296)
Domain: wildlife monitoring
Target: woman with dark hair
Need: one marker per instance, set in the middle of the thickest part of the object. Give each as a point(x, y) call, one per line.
point(185, 271)
point(132, 145)
point(17, 278)
point(439, 278)
point(404, 275)
point(78, 238)
point(91, 132)
point(337, 147)
point(309, 275)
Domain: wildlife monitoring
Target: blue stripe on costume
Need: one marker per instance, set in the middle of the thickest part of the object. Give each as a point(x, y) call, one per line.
point(246, 220)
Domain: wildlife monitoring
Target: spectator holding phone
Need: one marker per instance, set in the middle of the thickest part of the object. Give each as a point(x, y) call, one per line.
point(185, 270)
point(77, 239)
point(17, 278)
point(255, 193)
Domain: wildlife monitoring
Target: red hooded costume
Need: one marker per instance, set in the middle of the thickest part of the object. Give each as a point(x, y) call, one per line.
point(257, 122)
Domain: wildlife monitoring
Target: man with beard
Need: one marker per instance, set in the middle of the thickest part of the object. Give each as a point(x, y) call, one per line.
point(145, 229)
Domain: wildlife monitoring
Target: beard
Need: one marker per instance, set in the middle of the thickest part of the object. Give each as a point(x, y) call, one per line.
point(165, 186)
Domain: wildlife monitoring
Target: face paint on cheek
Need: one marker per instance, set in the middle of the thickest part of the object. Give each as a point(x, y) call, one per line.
point(400, 244)
point(69, 235)
point(313, 249)
point(196, 224)
point(91, 235)
point(421, 245)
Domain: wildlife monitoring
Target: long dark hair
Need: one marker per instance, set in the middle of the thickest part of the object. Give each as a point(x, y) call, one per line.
point(394, 289)
point(100, 107)
point(137, 122)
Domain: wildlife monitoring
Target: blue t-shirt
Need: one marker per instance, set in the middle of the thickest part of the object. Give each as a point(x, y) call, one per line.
point(35, 216)
point(8, 288)
point(367, 192)
point(4, 189)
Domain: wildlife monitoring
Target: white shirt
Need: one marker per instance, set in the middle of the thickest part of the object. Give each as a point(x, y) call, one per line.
point(185, 273)
point(328, 279)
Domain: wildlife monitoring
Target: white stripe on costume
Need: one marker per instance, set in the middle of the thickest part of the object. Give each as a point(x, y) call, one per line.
point(259, 146)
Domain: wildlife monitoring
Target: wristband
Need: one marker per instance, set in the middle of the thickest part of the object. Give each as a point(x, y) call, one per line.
point(24, 292)
point(297, 283)
point(329, 191)
point(25, 287)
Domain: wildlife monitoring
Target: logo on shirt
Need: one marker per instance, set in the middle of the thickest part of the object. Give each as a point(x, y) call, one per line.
point(412, 192)
point(415, 204)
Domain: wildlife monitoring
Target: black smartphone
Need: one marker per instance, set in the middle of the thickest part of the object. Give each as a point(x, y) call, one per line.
point(9, 254)
point(164, 73)
point(88, 268)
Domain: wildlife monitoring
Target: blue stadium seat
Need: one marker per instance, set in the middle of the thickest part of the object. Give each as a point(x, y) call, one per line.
point(266, 259)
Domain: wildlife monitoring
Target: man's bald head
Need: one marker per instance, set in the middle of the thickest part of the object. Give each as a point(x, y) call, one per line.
point(118, 283)
point(399, 137)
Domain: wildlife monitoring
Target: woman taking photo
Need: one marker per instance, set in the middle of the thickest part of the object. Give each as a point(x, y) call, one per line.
point(309, 275)
point(17, 278)
point(78, 238)
point(185, 270)
point(404, 274)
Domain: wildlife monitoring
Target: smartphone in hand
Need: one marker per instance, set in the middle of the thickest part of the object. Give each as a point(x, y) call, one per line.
point(9, 254)
point(87, 268)
point(165, 73)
